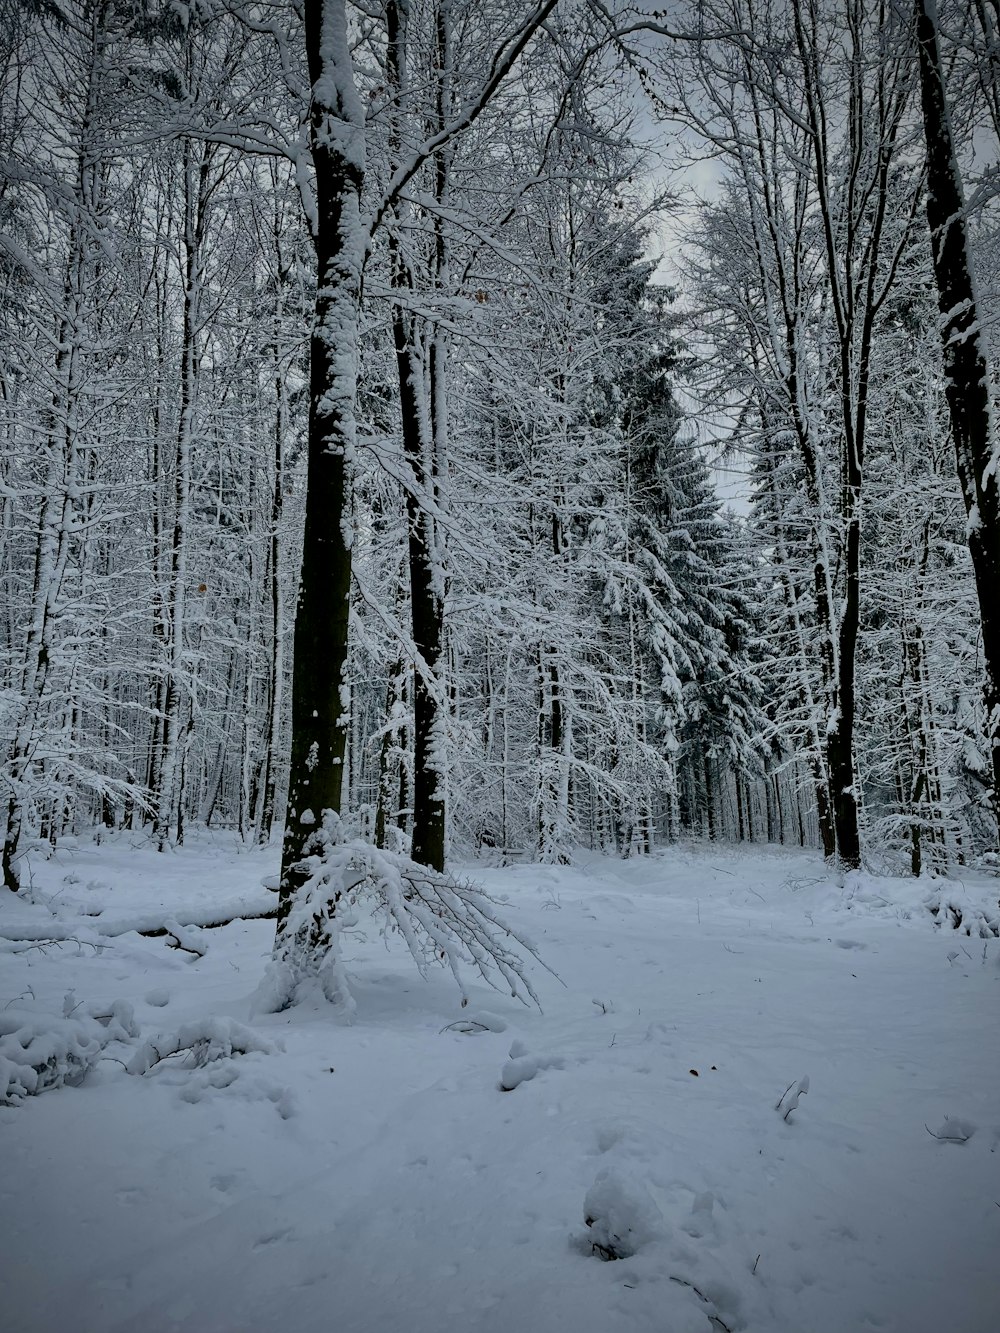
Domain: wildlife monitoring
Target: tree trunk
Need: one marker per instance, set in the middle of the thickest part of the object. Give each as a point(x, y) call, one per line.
point(319, 715)
point(965, 364)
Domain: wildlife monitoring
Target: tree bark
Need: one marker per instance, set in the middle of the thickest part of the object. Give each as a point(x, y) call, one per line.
point(965, 364)
point(319, 714)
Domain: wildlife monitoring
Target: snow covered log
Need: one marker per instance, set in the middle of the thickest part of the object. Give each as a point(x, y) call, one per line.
point(150, 924)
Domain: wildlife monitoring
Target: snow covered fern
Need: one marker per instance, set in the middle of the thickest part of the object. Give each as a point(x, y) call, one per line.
point(441, 919)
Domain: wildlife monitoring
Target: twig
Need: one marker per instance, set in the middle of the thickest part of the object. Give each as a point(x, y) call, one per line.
point(755, 1263)
point(713, 1318)
point(948, 1138)
point(173, 942)
point(58, 944)
point(777, 1104)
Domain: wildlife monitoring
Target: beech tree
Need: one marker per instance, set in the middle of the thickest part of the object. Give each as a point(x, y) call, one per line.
point(965, 348)
point(320, 702)
point(813, 147)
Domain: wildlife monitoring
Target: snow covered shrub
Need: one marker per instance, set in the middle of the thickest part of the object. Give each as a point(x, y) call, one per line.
point(972, 909)
point(38, 1052)
point(442, 920)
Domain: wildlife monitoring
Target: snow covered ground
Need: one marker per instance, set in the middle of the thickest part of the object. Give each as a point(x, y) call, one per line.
point(376, 1178)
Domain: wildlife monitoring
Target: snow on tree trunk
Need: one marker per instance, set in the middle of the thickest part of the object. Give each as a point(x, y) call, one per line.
point(965, 363)
point(320, 718)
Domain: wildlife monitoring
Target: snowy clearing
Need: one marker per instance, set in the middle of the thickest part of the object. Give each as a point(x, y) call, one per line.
point(376, 1177)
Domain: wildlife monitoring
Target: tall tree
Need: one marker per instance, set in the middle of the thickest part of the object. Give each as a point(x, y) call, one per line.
point(321, 702)
point(966, 363)
point(813, 143)
point(320, 708)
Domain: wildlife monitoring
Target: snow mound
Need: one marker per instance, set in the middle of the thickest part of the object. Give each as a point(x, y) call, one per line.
point(207, 1040)
point(622, 1215)
point(484, 1019)
point(522, 1067)
point(39, 1052)
point(973, 909)
point(953, 1129)
point(224, 1079)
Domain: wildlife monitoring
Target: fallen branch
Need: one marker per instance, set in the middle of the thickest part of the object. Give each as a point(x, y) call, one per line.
point(206, 1040)
point(148, 924)
point(948, 1138)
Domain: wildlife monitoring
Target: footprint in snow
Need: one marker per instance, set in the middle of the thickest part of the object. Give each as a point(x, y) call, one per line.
point(284, 1233)
point(608, 1137)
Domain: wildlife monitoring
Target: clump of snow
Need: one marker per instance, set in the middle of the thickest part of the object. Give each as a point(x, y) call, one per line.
point(493, 1022)
point(159, 998)
point(480, 1020)
point(621, 1213)
point(789, 1099)
point(522, 1066)
point(953, 1129)
point(190, 939)
point(207, 1040)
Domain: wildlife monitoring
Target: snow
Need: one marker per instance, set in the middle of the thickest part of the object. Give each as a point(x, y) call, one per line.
point(295, 1171)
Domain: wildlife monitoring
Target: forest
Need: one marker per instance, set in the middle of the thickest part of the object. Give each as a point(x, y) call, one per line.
point(494, 456)
point(543, 629)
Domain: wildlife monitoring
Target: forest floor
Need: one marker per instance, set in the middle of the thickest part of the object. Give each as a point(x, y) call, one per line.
point(374, 1177)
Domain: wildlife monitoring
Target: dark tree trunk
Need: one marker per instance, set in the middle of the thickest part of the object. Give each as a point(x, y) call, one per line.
point(319, 713)
point(824, 814)
point(275, 666)
point(840, 741)
point(426, 612)
point(966, 372)
point(418, 390)
point(386, 808)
